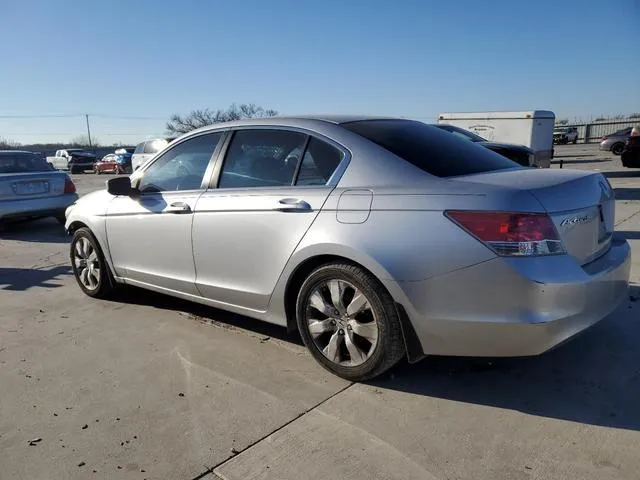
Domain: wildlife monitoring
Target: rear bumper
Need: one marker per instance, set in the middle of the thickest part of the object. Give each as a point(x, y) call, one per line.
point(37, 206)
point(516, 307)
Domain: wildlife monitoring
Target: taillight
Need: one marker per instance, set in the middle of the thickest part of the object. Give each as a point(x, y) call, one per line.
point(511, 233)
point(69, 186)
point(603, 138)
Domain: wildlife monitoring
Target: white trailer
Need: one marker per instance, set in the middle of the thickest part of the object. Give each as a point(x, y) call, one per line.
point(533, 129)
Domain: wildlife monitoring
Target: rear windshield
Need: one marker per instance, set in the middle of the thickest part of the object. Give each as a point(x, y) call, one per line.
point(429, 148)
point(23, 163)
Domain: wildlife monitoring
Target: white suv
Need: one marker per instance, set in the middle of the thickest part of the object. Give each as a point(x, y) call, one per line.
point(147, 149)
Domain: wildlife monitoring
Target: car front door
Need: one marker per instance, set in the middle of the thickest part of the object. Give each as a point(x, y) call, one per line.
point(150, 235)
point(268, 190)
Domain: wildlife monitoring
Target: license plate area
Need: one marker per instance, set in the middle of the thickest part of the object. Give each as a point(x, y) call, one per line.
point(30, 188)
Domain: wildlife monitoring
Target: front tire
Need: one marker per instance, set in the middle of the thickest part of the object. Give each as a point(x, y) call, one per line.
point(89, 266)
point(349, 322)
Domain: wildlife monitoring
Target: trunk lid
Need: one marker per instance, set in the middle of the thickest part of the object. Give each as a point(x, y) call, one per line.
point(25, 186)
point(580, 204)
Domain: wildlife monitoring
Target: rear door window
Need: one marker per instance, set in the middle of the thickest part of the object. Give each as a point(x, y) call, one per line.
point(318, 164)
point(432, 150)
point(262, 158)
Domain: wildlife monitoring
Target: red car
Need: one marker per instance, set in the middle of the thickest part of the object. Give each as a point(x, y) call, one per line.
point(111, 163)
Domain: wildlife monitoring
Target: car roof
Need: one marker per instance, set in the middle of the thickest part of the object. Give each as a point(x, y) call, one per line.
point(301, 121)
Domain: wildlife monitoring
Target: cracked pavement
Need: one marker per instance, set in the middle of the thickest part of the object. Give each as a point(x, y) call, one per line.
point(153, 387)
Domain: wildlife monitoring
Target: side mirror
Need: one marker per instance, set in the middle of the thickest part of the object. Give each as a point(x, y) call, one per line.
point(121, 186)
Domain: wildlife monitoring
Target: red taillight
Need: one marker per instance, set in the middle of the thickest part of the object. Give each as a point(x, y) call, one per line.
point(603, 138)
point(511, 233)
point(69, 186)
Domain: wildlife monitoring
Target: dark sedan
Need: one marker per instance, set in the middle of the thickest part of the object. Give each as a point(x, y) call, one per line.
point(518, 153)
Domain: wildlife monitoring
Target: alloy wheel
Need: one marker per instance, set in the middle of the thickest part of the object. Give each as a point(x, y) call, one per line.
point(341, 322)
point(87, 263)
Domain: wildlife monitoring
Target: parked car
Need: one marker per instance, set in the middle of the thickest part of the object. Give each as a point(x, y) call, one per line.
point(631, 154)
point(30, 187)
point(520, 154)
point(564, 135)
point(147, 149)
point(375, 238)
point(615, 142)
point(117, 163)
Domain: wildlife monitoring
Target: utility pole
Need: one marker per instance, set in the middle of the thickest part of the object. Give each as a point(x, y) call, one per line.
point(86, 117)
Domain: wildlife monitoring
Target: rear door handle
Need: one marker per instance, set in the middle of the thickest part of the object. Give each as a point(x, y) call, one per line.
point(292, 205)
point(178, 207)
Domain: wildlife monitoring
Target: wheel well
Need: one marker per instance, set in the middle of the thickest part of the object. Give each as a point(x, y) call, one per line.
point(412, 344)
point(75, 226)
point(297, 279)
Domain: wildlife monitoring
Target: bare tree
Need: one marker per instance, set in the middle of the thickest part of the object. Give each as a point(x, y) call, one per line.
point(83, 141)
point(179, 124)
point(8, 144)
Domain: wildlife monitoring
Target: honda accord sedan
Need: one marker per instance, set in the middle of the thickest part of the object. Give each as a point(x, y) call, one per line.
point(375, 238)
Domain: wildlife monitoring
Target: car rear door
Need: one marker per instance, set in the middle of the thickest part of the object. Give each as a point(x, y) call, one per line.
point(267, 191)
point(150, 236)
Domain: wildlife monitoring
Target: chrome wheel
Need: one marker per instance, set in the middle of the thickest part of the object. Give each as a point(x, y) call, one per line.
point(341, 322)
point(87, 264)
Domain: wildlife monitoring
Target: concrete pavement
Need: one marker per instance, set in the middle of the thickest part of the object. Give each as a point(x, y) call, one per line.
point(167, 389)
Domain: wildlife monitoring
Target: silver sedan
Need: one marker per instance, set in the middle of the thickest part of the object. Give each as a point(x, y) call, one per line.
point(375, 238)
point(29, 187)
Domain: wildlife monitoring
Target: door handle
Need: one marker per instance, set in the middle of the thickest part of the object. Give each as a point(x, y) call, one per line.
point(178, 207)
point(292, 205)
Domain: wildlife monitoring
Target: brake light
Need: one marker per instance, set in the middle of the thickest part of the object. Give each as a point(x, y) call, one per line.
point(69, 186)
point(511, 233)
point(603, 138)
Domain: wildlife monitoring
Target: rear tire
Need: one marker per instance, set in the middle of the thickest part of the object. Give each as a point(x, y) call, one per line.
point(617, 148)
point(349, 322)
point(89, 265)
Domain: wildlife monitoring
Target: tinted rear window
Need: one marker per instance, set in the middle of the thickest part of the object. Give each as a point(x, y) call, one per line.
point(432, 150)
point(23, 163)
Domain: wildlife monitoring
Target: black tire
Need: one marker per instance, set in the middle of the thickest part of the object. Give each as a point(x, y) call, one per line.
point(61, 218)
point(575, 140)
point(105, 283)
point(617, 148)
point(389, 346)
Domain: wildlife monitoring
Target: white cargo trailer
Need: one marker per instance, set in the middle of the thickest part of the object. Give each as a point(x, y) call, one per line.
point(533, 129)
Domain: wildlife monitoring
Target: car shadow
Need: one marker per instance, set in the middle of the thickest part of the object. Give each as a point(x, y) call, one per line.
point(203, 313)
point(20, 279)
point(629, 234)
point(43, 230)
point(592, 379)
point(569, 162)
point(622, 174)
point(623, 193)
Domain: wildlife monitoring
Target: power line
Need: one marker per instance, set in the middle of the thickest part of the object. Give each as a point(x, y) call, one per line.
point(71, 115)
point(54, 115)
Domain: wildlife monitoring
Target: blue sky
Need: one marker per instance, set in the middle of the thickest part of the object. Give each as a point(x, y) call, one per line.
point(413, 58)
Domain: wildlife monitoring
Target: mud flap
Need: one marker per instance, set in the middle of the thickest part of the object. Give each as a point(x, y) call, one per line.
point(412, 344)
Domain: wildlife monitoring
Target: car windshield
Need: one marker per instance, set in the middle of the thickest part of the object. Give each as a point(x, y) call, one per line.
point(23, 163)
point(432, 150)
